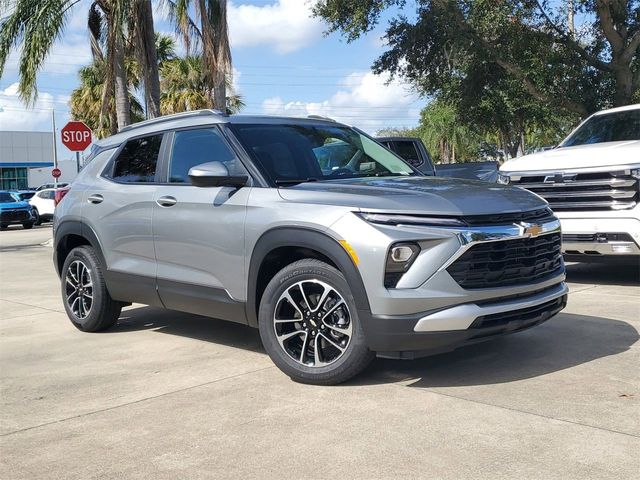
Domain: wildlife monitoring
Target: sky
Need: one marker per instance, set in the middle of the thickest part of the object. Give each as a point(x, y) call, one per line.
point(284, 63)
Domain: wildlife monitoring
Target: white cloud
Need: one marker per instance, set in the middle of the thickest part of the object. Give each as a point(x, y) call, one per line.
point(365, 100)
point(284, 25)
point(14, 115)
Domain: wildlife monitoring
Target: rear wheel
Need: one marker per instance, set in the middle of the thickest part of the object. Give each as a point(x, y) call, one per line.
point(309, 324)
point(84, 293)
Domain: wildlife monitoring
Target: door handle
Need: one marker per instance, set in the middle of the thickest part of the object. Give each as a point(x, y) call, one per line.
point(95, 198)
point(166, 201)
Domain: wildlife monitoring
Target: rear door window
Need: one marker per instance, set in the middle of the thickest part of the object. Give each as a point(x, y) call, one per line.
point(137, 161)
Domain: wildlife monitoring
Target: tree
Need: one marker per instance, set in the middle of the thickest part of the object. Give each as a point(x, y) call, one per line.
point(86, 100)
point(33, 26)
point(213, 35)
point(144, 38)
point(185, 87)
point(526, 41)
point(446, 137)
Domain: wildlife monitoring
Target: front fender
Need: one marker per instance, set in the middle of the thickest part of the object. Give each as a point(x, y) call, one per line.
point(309, 238)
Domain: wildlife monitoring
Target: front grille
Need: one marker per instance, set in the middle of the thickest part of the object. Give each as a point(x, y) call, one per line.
point(508, 262)
point(542, 215)
point(616, 190)
point(14, 215)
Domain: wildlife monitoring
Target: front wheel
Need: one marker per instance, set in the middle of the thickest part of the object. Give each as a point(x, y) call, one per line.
point(309, 324)
point(36, 216)
point(84, 292)
point(27, 225)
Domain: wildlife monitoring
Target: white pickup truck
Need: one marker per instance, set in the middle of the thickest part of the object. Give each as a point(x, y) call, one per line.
point(592, 182)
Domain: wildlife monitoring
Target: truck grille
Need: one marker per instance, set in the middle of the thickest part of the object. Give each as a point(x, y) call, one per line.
point(508, 262)
point(616, 190)
point(14, 215)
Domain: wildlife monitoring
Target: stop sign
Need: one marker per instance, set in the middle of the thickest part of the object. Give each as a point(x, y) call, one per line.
point(76, 136)
point(55, 173)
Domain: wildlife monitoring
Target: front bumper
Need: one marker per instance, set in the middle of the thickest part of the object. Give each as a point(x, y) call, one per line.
point(592, 235)
point(430, 310)
point(9, 217)
point(413, 336)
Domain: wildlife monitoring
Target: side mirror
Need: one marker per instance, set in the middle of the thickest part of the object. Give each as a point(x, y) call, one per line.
point(215, 174)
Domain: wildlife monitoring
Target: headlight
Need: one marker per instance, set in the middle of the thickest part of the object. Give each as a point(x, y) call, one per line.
point(399, 259)
point(420, 220)
point(503, 179)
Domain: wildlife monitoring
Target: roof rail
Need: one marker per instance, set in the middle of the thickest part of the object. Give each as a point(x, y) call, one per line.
point(320, 117)
point(175, 116)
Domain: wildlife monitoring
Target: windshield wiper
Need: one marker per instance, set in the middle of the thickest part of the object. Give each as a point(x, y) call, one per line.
point(287, 182)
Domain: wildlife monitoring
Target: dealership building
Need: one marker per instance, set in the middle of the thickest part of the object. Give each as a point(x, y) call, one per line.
point(26, 160)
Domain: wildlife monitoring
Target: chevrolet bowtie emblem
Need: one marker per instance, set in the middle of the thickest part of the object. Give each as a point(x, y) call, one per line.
point(531, 229)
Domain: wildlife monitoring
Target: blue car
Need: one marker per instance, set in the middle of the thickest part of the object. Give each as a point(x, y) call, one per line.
point(14, 211)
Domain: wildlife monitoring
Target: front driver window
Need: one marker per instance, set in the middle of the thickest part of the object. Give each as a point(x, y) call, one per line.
point(193, 147)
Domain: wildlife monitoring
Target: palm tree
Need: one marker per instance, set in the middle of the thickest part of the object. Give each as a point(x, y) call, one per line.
point(35, 25)
point(185, 87)
point(144, 39)
point(213, 34)
point(442, 132)
point(86, 100)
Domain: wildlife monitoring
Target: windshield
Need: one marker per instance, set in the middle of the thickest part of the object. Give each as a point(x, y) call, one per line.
point(6, 197)
point(611, 127)
point(317, 152)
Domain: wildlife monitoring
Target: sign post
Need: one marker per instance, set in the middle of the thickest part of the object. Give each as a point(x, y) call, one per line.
point(55, 148)
point(76, 136)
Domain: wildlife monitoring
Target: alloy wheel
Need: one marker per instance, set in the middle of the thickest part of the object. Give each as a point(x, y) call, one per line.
point(312, 323)
point(79, 289)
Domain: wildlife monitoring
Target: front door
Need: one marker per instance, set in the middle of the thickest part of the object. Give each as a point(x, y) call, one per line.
point(199, 232)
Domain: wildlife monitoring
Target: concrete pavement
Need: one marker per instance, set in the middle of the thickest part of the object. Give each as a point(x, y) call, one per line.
point(170, 395)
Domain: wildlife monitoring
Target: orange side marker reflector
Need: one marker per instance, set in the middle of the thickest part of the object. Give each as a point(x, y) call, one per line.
point(352, 253)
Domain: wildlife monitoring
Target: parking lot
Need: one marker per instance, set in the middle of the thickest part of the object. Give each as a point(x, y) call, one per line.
point(166, 395)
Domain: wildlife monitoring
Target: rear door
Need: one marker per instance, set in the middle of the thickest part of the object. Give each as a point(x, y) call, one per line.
point(199, 232)
point(118, 206)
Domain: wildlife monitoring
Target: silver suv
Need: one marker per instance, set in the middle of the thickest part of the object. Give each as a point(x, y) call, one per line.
point(309, 230)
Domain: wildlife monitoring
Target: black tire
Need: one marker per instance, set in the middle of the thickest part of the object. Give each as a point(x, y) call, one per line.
point(4, 226)
point(36, 214)
point(103, 311)
point(27, 225)
point(355, 357)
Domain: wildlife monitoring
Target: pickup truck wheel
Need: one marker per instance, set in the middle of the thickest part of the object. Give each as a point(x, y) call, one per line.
point(84, 293)
point(309, 324)
point(27, 225)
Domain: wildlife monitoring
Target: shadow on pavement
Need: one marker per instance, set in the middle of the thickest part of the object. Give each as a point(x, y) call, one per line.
point(563, 342)
point(187, 325)
point(604, 274)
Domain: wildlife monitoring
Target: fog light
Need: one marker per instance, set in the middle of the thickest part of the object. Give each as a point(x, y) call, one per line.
point(401, 254)
point(621, 248)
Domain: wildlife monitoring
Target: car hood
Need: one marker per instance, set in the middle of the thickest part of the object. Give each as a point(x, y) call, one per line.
point(427, 195)
point(578, 157)
point(13, 205)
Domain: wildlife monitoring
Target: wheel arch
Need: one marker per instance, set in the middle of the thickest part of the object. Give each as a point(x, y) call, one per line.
point(71, 234)
point(292, 242)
